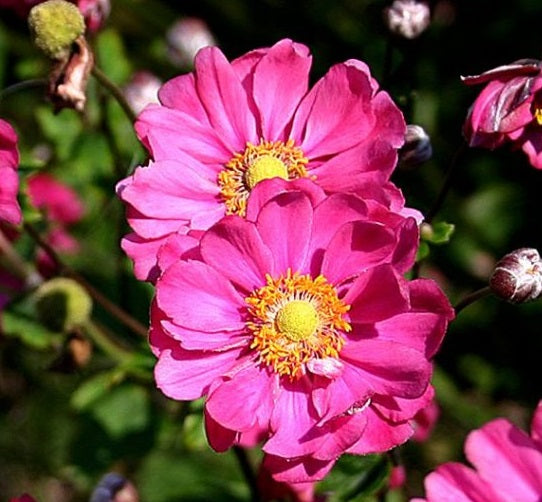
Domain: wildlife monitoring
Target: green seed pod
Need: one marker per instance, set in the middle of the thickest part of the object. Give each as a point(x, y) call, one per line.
point(55, 25)
point(62, 304)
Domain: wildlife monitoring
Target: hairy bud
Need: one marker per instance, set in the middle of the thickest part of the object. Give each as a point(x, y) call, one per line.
point(55, 25)
point(407, 18)
point(62, 304)
point(517, 277)
point(417, 148)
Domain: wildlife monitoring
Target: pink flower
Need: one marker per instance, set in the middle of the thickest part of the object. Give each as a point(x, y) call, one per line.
point(297, 321)
point(9, 161)
point(62, 208)
point(23, 498)
point(227, 126)
point(509, 109)
point(507, 466)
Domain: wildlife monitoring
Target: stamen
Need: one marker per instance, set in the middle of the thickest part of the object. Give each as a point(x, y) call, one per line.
point(295, 319)
point(258, 162)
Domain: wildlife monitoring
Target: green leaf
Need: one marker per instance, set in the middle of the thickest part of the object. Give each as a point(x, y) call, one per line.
point(112, 57)
point(94, 388)
point(437, 233)
point(61, 129)
point(122, 411)
point(423, 251)
point(29, 330)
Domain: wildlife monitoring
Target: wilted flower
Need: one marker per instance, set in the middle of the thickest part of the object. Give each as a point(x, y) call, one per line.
point(218, 133)
point(142, 90)
point(507, 466)
point(307, 331)
point(417, 148)
point(9, 161)
point(185, 38)
point(517, 277)
point(408, 18)
point(509, 109)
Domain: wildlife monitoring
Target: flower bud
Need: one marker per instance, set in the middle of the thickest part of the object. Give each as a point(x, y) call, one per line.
point(417, 148)
point(55, 25)
point(62, 304)
point(517, 277)
point(407, 18)
point(185, 38)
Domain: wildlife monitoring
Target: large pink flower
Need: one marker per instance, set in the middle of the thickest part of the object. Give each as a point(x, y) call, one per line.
point(9, 161)
point(509, 109)
point(297, 322)
point(227, 126)
point(507, 462)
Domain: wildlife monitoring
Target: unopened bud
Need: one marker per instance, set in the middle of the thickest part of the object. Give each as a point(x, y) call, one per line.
point(55, 25)
point(517, 277)
point(407, 18)
point(62, 304)
point(185, 38)
point(142, 90)
point(417, 148)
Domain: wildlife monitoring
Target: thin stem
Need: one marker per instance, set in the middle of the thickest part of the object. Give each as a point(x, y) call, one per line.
point(17, 264)
point(471, 298)
point(101, 77)
point(246, 467)
point(96, 295)
point(22, 86)
point(104, 340)
point(446, 185)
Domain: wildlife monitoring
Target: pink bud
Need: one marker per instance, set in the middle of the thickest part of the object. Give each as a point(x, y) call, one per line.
point(185, 38)
point(517, 277)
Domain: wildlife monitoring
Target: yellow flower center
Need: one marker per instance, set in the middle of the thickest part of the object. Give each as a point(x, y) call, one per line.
point(264, 168)
point(266, 160)
point(295, 319)
point(538, 115)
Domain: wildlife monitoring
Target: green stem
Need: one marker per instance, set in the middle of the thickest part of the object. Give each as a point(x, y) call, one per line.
point(248, 472)
point(115, 91)
point(471, 298)
point(96, 295)
point(106, 343)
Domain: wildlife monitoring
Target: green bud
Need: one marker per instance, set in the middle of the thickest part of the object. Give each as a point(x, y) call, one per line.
point(62, 304)
point(55, 25)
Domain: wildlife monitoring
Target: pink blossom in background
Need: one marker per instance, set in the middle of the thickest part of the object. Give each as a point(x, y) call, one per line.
point(23, 498)
point(507, 466)
point(509, 109)
point(62, 208)
point(297, 321)
point(221, 130)
point(10, 210)
point(397, 477)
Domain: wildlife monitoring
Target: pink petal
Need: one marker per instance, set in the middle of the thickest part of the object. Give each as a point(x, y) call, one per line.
point(165, 132)
point(235, 247)
point(280, 81)
point(175, 248)
point(336, 114)
point(220, 439)
point(195, 296)
point(244, 400)
point(9, 160)
point(143, 252)
point(297, 470)
point(536, 425)
point(380, 435)
point(506, 458)
point(531, 144)
point(185, 374)
point(390, 368)
point(356, 247)
point(285, 225)
point(453, 482)
point(377, 294)
point(180, 93)
point(224, 99)
point(265, 190)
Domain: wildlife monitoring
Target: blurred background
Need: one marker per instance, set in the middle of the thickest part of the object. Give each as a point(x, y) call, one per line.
point(72, 411)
